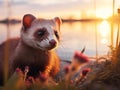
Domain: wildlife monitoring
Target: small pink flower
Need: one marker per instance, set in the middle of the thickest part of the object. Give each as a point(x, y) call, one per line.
point(26, 69)
point(28, 83)
point(71, 82)
point(43, 77)
point(85, 71)
point(30, 79)
point(67, 69)
point(25, 72)
point(81, 57)
point(18, 70)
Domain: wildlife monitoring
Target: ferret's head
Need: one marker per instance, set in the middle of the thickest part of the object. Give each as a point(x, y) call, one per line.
point(41, 34)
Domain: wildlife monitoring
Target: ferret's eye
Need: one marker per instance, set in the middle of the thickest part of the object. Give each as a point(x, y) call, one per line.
point(56, 34)
point(41, 32)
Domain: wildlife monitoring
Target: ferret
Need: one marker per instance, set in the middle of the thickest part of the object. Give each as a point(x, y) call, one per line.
point(34, 48)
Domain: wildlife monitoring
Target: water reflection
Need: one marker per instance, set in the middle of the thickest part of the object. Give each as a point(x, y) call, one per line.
point(104, 31)
point(14, 31)
point(74, 37)
point(104, 28)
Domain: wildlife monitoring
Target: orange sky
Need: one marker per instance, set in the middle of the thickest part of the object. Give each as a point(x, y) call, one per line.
point(62, 8)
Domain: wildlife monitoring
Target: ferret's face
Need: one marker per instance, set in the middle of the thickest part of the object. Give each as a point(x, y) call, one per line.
point(40, 33)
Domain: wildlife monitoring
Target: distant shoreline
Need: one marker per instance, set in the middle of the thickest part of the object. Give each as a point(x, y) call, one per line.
point(10, 21)
point(15, 21)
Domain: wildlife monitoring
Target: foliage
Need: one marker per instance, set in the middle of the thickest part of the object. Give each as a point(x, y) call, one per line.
point(20, 80)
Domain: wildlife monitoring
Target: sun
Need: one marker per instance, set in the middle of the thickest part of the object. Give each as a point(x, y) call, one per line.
point(103, 13)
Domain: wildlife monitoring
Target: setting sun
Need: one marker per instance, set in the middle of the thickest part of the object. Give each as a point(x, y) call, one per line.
point(104, 13)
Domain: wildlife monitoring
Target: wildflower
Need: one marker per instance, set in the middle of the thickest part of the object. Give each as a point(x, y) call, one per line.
point(85, 71)
point(83, 75)
point(77, 60)
point(43, 77)
point(31, 79)
point(28, 83)
point(67, 69)
point(26, 71)
point(80, 57)
point(71, 82)
point(18, 70)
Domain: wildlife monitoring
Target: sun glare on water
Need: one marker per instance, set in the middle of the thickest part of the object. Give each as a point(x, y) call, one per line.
point(104, 31)
point(103, 13)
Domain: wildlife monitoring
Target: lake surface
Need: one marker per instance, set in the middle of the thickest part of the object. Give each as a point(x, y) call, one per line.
point(96, 37)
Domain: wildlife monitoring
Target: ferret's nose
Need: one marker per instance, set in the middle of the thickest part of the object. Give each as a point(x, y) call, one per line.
point(52, 42)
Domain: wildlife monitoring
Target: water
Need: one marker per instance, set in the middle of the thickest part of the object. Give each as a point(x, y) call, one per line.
point(96, 37)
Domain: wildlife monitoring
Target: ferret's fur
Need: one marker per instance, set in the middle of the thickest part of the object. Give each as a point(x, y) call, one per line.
point(34, 48)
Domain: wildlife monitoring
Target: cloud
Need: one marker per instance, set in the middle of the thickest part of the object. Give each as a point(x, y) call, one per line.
point(48, 8)
point(46, 2)
point(20, 8)
point(45, 8)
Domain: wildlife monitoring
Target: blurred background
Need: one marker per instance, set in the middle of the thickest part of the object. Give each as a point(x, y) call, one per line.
point(93, 24)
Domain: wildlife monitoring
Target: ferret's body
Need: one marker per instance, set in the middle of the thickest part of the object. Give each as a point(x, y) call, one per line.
point(33, 48)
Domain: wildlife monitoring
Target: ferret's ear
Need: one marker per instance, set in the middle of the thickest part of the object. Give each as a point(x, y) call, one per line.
point(27, 20)
point(58, 20)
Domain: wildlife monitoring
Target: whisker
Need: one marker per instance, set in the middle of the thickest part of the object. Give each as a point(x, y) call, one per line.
point(61, 45)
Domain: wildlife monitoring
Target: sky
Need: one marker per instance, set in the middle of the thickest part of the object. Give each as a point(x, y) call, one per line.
point(62, 8)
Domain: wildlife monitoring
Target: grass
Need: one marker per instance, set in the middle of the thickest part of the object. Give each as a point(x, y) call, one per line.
point(20, 80)
point(107, 76)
